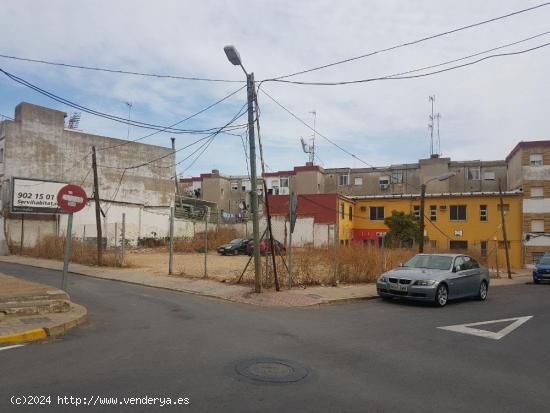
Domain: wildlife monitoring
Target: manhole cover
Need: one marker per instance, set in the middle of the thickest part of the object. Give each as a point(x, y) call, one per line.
point(271, 370)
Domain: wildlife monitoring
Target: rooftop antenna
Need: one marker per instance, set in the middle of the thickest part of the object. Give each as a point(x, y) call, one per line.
point(307, 149)
point(312, 155)
point(74, 120)
point(438, 117)
point(129, 104)
point(431, 126)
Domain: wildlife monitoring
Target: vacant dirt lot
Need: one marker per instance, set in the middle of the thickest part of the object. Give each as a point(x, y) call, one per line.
point(190, 264)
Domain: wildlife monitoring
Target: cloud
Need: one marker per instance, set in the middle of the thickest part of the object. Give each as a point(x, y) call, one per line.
point(485, 108)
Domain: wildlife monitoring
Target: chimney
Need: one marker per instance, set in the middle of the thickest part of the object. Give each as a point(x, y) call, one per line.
point(215, 171)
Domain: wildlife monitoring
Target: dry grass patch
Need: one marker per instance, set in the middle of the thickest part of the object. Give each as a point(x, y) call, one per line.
point(53, 247)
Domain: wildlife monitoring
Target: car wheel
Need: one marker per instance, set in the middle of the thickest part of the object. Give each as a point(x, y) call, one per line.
point(441, 295)
point(536, 281)
point(483, 291)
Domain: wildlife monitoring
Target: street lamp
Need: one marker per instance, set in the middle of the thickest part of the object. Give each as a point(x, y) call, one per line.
point(234, 57)
point(442, 177)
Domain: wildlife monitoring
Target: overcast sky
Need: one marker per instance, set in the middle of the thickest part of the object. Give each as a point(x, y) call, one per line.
point(485, 108)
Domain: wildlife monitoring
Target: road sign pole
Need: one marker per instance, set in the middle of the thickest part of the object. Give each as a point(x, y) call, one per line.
point(68, 242)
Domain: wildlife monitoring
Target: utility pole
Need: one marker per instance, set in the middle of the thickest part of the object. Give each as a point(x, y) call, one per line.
point(175, 173)
point(253, 184)
point(421, 226)
point(97, 209)
point(233, 56)
point(123, 240)
point(171, 253)
point(504, 230)
point(206, 213)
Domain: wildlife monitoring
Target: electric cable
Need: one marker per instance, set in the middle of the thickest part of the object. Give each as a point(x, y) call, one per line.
point(400, 77)
point(117, 71)
point(413, 42)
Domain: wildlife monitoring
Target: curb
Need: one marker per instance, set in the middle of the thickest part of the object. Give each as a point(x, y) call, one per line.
point(24, 337)
point(43, 333)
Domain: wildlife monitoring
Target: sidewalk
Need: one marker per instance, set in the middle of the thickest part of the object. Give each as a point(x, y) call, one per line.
point(30, 311)
point(299, 297)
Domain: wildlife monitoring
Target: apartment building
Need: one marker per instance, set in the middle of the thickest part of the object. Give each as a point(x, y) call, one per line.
point(230, 193)
point(454, 221)
point(529, 171)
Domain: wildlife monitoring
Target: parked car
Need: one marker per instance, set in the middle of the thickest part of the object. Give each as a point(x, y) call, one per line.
point(436, 278)
point(542, 269)
point(235, 247)
point(265, 247)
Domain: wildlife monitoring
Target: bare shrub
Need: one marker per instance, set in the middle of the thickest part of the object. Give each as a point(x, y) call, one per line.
point(53, 247)
point(318, 266)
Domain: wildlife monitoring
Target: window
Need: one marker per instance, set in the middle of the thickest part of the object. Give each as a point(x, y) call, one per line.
point(483, 248)
point(489, 176)
point(350, 212)
point(397, 177)
point(506, 207)
point(384, 182)
point(458, 212)
point(537, 225)
point(284, 182)
point(535, 159)
point(342, 211)
point(234, 185)
point(458, 245)
point(537, 192)
point(416, 211)
point(483, 212)
point(377, 213)
point(473, 173)
point(343, 180)
point(433, 212)
point(357, 181)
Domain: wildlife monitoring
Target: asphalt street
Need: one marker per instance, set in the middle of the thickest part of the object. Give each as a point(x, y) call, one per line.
point(370, 356)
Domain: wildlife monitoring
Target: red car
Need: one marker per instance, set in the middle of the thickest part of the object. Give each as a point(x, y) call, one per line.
point(265, 247)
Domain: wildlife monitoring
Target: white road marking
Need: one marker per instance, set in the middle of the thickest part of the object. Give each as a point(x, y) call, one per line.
point(10, 347)
point(467, 328)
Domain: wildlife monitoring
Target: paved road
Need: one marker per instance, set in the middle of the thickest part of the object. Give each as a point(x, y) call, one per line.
point(370, 356)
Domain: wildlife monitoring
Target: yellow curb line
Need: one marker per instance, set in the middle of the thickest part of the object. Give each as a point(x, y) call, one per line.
point(29, 335)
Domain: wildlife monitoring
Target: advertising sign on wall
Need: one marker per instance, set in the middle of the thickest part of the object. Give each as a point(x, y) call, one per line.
point(35, 196)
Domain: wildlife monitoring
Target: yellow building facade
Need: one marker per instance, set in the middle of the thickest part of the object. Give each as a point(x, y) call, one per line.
point(453, 222)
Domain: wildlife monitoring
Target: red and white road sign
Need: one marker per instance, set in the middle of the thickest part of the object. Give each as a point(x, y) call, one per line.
point(71, 198)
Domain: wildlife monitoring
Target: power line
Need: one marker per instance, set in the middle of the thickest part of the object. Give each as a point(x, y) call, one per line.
point(177, 123)
point(118, 119)
point(316, 131)
point(399, 76)
point(413, 42)
point(7, 117)
point(117, 71)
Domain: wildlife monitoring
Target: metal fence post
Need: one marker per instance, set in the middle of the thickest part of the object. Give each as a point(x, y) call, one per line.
point(123, 238)
point(171, 256)
point(206, 242)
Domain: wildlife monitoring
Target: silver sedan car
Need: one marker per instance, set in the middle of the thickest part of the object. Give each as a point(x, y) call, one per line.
point(435, 278)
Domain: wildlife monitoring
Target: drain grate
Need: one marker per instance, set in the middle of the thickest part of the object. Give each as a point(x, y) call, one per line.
point(271, 370)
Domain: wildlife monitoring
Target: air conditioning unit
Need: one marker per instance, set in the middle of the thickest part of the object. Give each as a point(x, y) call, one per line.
point(442, 207)
point(384, 186)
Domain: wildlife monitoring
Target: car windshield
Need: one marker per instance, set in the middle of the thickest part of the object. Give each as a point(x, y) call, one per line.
point(235, 241)
point(545, 260)
point(433, 262)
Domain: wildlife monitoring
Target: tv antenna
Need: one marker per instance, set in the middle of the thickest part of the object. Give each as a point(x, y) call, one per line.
point(74, 120)
point(434, 117)
point(130, 106)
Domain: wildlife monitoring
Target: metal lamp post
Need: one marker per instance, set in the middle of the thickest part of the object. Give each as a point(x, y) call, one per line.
point(234, 57)
point(442, 177)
